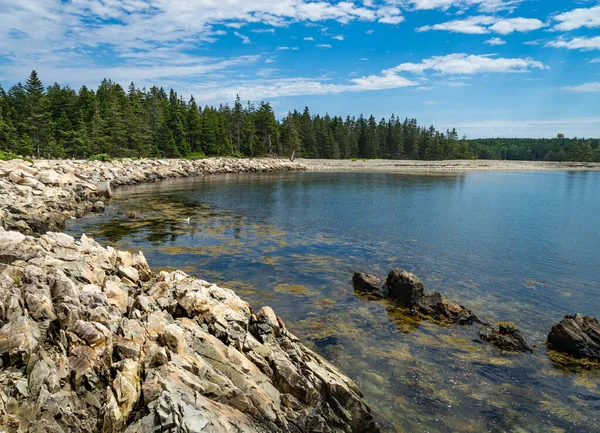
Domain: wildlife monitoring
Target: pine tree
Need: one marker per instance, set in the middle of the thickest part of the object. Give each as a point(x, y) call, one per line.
point(37, 116)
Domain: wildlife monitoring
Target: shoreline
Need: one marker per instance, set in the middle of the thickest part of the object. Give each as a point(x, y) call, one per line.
point(92, 339)
point(449, 166)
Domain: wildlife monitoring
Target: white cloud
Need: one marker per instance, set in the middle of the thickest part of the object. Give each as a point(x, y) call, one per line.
point(482, 5)
point(577, 18)
point(245, 39)
point(473, 26)
point(464, 64)
point(596, 60)
point(390, 15)
point(586, 88)
point(495, 41)
point(309, 38)
point(388, 80)
point(52, 33)
point(272, 31)
point(324, 45)
point(370, 32)
point(485, 24)
point(510, 25)
point(338, 37)
point(583, 44)
point(285, 87)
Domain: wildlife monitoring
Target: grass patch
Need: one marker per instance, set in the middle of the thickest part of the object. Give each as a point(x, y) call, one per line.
point(196, 155)
point(104, 157)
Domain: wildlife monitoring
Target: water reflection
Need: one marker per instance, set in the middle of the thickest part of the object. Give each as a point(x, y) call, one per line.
point(520, 247)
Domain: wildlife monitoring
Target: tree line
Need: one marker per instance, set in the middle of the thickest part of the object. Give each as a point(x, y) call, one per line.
point(59, 122)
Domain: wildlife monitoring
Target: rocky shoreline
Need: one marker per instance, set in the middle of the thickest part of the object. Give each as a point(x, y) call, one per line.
point(92, 340)
point(450, 166)
point(36, 197)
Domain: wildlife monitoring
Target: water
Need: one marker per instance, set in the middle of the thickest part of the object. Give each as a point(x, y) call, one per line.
point(520, 247)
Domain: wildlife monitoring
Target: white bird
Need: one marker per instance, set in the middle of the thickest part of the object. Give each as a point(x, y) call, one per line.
point(187, 220)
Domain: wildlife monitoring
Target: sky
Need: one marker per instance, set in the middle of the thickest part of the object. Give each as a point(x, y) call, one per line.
point(490, 68)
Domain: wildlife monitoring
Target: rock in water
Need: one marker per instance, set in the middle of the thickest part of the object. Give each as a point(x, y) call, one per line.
point(404, 287)
point(508, 337)
point(440, 308)
point(369, 283)
point(578, 336)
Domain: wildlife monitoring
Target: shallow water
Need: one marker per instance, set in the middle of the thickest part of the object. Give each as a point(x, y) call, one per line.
point(520, 247)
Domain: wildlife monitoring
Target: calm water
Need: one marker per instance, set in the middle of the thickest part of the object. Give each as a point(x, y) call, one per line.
point(520, 247)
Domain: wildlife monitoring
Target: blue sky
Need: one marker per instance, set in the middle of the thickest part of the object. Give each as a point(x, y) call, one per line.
point(526, 68)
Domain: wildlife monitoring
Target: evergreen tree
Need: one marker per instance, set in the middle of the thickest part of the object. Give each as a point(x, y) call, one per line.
point(36, 122)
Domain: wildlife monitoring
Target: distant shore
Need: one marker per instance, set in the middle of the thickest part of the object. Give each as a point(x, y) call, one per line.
point(443, 166)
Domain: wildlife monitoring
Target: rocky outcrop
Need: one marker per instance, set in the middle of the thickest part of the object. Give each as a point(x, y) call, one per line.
point(36, 197)
point(407, 290)
point(507, 337)
point(577, 336)
point(92, 341)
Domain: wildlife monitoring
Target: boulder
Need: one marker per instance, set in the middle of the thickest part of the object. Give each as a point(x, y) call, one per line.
point(49, 177)
point(507, 337)
point(577, 336)
point(104, 189)
point(404, 287)
point(369, 284)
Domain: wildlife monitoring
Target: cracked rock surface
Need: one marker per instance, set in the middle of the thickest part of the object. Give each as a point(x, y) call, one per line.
point(92, 341)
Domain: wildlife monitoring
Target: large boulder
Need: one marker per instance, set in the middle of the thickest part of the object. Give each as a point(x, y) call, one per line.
point(578, 336)
point(404, 287)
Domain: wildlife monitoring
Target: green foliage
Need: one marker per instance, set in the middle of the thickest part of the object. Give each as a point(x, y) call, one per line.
point(7, 156)
point(196, 155)
point(113, 122)
point(100, 157)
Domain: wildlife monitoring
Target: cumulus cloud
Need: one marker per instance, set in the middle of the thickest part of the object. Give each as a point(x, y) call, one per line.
point(495, 41)
point(338, 37)
point(309, 38)
point(324, 46)
point(583, 44)
point(577, 18)
point(586, 87)
point(465, 64)
point(484, 24)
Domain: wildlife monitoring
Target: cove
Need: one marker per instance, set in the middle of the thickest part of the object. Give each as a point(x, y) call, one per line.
point(521, 247)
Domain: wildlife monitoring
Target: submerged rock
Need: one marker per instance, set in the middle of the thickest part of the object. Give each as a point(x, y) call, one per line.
point(439, 307)
point(92, 341)
point(507, 337)
point(577, 336)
